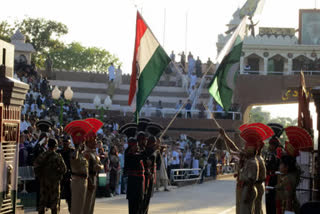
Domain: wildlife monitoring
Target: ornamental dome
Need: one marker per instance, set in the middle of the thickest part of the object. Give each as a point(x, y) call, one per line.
point(18, 36)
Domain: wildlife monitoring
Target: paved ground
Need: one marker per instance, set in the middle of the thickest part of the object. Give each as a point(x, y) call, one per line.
point(213, 197)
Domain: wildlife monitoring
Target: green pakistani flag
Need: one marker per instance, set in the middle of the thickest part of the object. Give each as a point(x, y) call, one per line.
point(251, 8)
point(223, 82)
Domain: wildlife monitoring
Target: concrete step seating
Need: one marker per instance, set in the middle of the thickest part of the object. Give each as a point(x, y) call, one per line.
point(84, 93)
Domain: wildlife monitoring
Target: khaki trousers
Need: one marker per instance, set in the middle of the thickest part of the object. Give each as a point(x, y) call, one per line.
point(238, 198)
point(79, 191)
point(91, 197)
point(247, 207)
point(258, 202)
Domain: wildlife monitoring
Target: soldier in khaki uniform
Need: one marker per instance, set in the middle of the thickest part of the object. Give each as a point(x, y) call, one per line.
point(254, 134)
point(286, 187)
point(94, 164)
point(239, 183)
point(289, 179)
point(79, 165)
point(261, 178)
point(248, 176)
point(272, 161)
point(51, 168)
point(239, 168)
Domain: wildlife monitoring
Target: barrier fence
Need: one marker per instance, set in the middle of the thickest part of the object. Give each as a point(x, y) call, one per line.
point(194, 174)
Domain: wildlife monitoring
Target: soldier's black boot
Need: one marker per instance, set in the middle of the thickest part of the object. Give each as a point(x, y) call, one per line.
point(41, 211)
point(54, 211)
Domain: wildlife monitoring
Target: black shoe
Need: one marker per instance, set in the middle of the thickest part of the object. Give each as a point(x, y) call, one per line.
point(167, 190)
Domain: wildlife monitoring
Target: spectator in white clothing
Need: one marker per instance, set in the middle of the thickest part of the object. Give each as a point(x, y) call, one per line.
point(24, 124)
point(148, 107)
point(118, 80)
point(34, 107)
point(175, 159)
point(185, 81)
point(172, 56)
point(178, 106)
point(193, 93)
point(193, 81)
point(111, 71)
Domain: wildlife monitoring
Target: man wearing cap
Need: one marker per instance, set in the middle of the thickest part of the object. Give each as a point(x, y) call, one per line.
point(94, 164)
point(51, 168)
point(261, 178)
point(150, 171)
point(40, 148)
point(254, 134)
point(79, 165)
point(253, 173)
point(142, 140)
point(248, 177)
point(66, 152)
point(289, 179)
point(134, 169)
point(272, 162)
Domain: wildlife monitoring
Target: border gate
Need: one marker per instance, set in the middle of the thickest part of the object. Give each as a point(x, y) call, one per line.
point(12, 95)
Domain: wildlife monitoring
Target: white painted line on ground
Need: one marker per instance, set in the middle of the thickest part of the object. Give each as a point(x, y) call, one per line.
point(228, 210)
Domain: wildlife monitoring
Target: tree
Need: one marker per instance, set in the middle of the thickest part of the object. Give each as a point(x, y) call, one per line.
point(77, 57)
point(259, 116)
point(285, 121)
point(6, 31)
point(43, 35)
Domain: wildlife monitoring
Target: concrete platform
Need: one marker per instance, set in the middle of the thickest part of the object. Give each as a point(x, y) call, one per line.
point(214, 197)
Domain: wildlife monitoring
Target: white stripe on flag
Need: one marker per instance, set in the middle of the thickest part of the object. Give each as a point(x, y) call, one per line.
point(148, 45)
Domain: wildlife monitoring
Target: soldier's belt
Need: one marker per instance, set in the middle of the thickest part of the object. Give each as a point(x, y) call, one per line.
point(136, 173)
point(272, 173)
point(80, 175)
point(93, 173)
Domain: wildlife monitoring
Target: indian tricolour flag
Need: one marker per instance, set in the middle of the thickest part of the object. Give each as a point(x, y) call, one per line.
point(223, 82)
point(149, 62)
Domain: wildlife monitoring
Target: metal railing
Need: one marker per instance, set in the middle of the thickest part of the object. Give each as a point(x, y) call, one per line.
point(222, 169)
point(168, 112)
point(198, 93)
point(26, 173)
point(182, 175)
point(307, 72)
point(281, 72)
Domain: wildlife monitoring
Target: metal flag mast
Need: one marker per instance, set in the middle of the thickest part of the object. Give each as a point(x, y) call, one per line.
point(186, 35)
point(164, 26)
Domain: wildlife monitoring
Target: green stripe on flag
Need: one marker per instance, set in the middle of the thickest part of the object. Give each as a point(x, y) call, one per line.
point(150, 76)
point(219, 87)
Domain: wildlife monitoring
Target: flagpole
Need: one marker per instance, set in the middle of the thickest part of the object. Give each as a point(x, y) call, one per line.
point(164, 27)
point(185, 102)
point(173, 119)
point(216, 122)
point(212, 147)
point(186, 35)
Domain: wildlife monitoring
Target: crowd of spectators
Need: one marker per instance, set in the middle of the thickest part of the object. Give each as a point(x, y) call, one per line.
point(39, 103)
point(185, 153)
point(181, 153)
